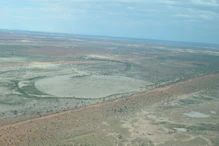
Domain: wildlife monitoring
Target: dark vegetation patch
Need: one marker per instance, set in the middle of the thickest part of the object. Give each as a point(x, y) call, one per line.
point(188, 101)
point(204, 127)
point(169, 107)
point(194, 128)
point(35, 78)
point(201, 97)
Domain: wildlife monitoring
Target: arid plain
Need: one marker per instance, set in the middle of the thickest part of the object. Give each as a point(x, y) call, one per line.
point(63, 89)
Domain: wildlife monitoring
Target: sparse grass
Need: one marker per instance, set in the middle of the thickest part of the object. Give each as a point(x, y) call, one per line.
point(31, 89)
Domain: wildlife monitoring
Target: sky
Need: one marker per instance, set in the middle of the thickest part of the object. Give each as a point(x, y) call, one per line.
point(176, 20)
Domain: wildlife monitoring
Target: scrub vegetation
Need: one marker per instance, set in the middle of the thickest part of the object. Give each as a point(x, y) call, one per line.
point(59, 89)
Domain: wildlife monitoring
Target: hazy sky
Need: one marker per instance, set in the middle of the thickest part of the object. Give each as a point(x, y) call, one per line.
point(184, 20)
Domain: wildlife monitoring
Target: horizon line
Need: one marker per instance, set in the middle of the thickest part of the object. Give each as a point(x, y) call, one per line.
point(118, 37)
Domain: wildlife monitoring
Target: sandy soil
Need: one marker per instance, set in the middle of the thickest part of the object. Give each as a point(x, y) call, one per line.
point(55, 129)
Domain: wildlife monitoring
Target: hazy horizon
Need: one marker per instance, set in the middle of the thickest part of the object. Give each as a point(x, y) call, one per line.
point(187, 21)
point(116, 37)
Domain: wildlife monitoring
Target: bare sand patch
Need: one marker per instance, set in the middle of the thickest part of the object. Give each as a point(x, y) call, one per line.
point(12, 59)
point(193, 114)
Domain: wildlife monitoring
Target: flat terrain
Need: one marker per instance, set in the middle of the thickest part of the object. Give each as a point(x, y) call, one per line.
point(91, 86)
point(61, 89)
